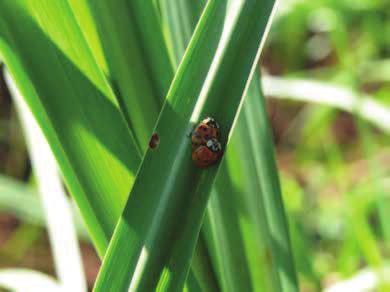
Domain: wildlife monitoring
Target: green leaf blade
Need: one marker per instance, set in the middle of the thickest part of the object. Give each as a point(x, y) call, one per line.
point(75, 108)
point(259, 132)
point(139, 66)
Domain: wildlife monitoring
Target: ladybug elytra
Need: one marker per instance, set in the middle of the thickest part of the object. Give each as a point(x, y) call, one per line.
point(206, 149)
point(206, 130)
point(154, 141)
point(206, 155)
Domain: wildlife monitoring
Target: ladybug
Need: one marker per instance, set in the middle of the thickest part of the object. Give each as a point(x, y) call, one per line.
point(206, 155)
point(154, 141)
point(206, 130)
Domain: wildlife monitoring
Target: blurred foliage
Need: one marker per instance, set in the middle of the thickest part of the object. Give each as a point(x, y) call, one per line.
point(335, 168)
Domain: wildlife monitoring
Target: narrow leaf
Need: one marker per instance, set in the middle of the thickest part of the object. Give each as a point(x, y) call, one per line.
point(87, 25)
point(139, 66)
point(260, 137)
point(75, 107)
point(60, 226)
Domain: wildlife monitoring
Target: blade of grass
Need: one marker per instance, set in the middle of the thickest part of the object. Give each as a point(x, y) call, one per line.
point(74, 106)
point(87, 25)
point(201, 270)
point(259, 129)
point(235, 225)
point(140, 69)
point(179, 19)
point(155, 238)
point(63, 238)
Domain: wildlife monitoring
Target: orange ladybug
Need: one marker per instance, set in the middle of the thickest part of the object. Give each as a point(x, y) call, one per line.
point(206, 130)
point(154, 141)
point(206, 155)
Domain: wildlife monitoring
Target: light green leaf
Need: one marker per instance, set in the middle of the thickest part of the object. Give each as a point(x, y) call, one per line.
point(178, 20)
point(59, 222)
point(139, 66)
point(74, 105)
point(87, 25)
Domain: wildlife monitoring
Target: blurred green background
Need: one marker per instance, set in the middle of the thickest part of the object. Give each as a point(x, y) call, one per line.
point(334, 164)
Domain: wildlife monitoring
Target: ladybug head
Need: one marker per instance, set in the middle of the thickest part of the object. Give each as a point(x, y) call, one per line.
point(211, 122)
point(214, 145)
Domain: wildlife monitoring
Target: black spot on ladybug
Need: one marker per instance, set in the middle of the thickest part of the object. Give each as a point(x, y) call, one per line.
point(204, 129)
point(154, 141)
point(206, 137)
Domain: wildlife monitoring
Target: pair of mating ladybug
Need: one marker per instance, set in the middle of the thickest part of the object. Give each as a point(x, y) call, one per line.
point(206, 149)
